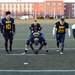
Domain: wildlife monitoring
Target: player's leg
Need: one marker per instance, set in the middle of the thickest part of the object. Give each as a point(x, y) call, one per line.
point(6, 42)
point(73, 32)
point(27, 45)
point(10, 41)
point(57, 41)
point(62, 43)
point(45, 45)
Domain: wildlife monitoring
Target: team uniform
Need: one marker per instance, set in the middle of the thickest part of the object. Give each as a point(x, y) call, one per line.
point(35, 29)
point(37, 36)
point(7, 29)
point(60, 33)
point(73, 30)
point(0, 24)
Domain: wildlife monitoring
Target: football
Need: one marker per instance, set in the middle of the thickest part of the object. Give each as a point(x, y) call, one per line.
point(36, 51)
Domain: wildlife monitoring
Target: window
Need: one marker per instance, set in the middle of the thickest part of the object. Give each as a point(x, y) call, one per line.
point(64, 8)
point(47, 4)
point(40, 4)
point(64, 4)
point(53, 4)
point(59, 4)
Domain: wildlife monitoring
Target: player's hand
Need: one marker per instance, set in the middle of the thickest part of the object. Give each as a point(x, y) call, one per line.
point(38, 31)
point(2, 34)
point(13, 33)
point(32, 31)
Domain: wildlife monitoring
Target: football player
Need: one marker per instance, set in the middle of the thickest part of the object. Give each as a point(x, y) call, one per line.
point(36, 38)
point(8, 30)
point(0, 24)
point(35, 27)
point(59, 31)
point(73, 30)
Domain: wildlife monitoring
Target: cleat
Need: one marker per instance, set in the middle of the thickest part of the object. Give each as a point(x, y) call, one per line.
point(26, 50)
point(8, 52)
point(61, 53)
point(46, 51)
point(57, 49)
point(23, 53)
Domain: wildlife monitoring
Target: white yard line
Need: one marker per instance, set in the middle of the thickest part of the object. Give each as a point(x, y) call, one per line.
point(24, 54)
point(42, 49)
point(41, 71)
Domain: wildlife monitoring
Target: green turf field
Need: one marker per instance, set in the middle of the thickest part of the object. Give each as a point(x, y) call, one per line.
point(42, 64)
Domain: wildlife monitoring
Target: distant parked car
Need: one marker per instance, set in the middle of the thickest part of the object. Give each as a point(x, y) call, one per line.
point(24, 17)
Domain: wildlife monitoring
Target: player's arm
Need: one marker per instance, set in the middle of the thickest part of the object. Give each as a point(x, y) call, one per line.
point(69, 30)
point(54, 31)
point(31, 28)
point(13, 28)
point(40, 27)
point(2, 26)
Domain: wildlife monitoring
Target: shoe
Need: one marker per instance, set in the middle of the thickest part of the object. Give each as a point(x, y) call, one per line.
point(23, 53)
point(26, 50)
point(61, 53)
point(57, 49)
point(8, 52)
point(46, 50)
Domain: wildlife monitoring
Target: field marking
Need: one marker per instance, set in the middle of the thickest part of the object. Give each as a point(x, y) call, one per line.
point(46, 39)
point(42, 48)
point(23, 39)
point(41, 71)
point(25, 54)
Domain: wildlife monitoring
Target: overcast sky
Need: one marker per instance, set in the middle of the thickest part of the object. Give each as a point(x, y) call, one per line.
point(34, 0)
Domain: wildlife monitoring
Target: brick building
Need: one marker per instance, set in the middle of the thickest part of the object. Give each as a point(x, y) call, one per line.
point(69, 9)
point(38, 8)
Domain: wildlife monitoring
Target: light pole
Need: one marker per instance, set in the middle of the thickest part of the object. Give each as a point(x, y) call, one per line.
point(54, 12)
point(69, 13)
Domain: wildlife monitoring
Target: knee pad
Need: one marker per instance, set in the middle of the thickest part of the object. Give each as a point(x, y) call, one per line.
point(28, 42)
point(45, 43)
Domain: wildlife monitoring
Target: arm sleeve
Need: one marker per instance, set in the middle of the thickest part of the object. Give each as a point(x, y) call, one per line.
point(54, 31)
point(69, 32)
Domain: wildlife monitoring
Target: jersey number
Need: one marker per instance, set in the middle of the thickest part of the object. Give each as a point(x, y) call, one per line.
point(61, 30)
point(8, 26)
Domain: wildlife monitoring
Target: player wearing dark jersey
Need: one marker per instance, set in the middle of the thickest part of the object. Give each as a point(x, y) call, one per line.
point(0, 24)
point(36, 39)
point(35, 27)
point(8, 30)
point(60, 30)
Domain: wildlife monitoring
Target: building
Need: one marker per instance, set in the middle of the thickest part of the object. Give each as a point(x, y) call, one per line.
point(69, 9)
point(54, 7)
point(32, 8)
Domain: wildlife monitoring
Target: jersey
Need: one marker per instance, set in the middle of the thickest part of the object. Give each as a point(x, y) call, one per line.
point(36, 36)
point(61, 28)
point(35, 27)
point(7, 25)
